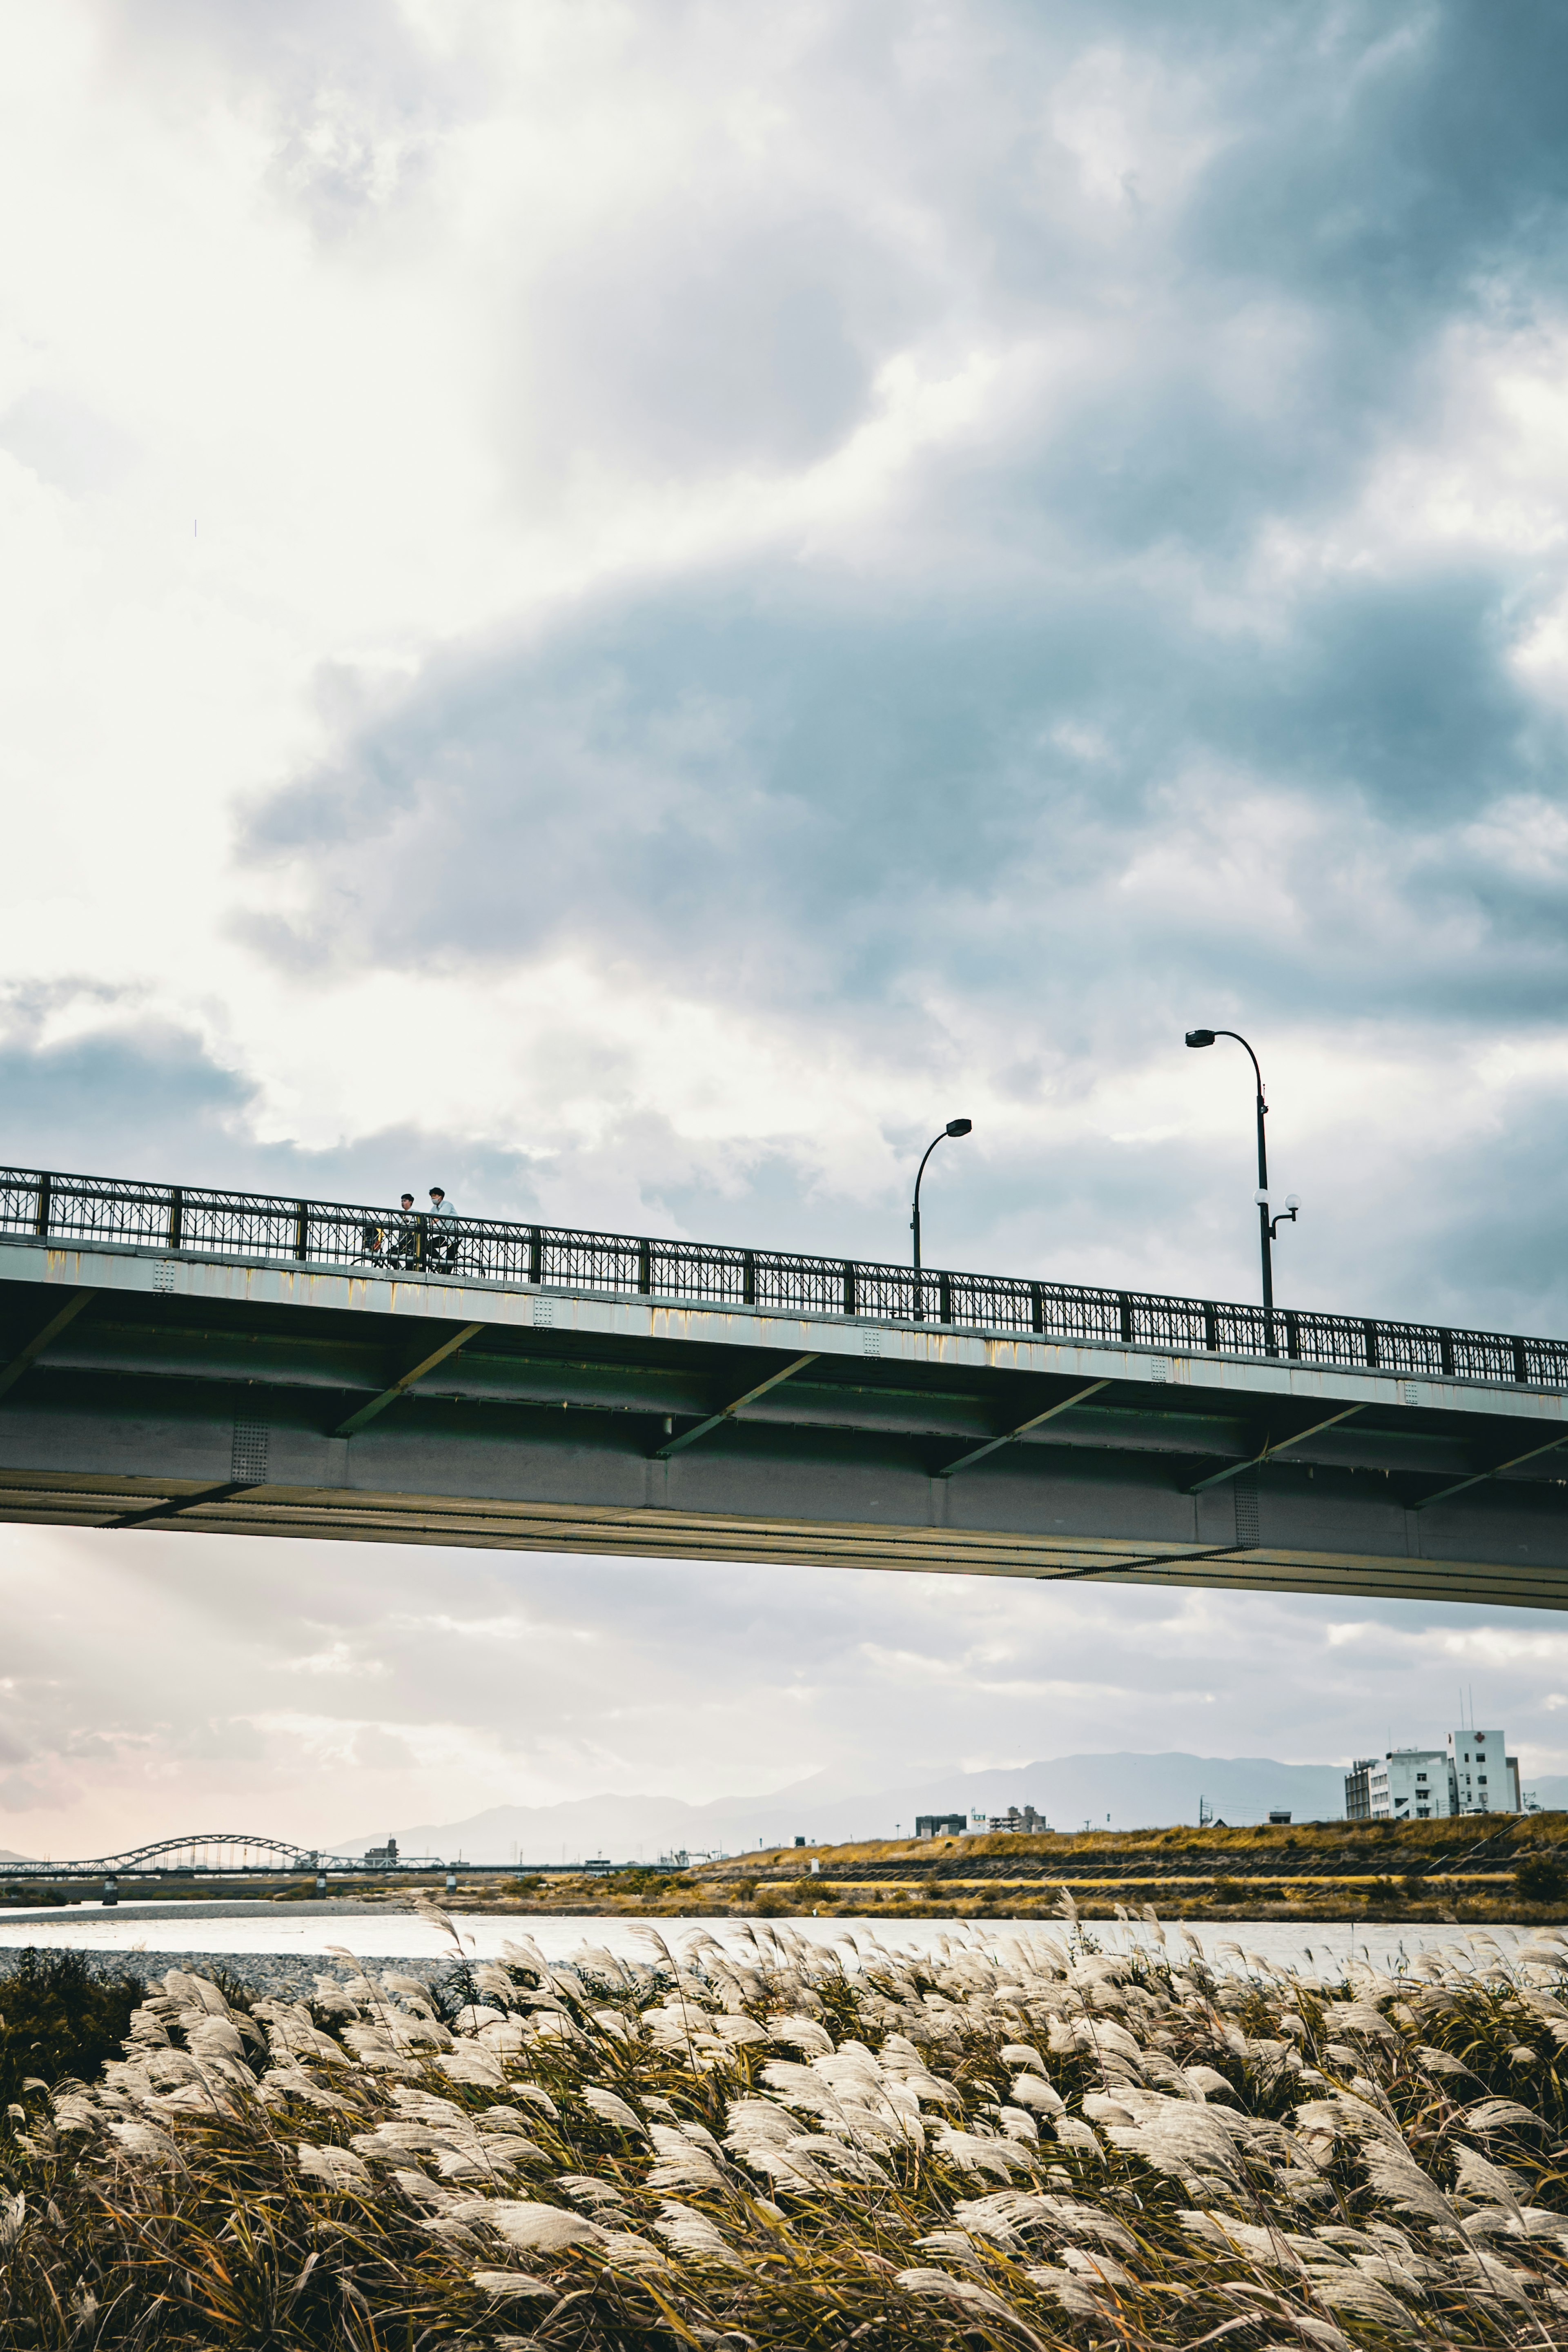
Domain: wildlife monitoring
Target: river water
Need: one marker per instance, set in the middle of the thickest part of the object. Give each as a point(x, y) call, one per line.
point(301, 1932)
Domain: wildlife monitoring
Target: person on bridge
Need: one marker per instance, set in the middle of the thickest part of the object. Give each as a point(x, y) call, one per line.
point(443, 1235)
point(405, 1243)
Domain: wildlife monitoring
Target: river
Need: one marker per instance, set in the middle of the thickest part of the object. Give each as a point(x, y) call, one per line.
point(302, 1931)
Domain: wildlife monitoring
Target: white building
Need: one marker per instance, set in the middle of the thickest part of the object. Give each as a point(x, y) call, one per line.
point(1482, 1776)
point(1411, 1784)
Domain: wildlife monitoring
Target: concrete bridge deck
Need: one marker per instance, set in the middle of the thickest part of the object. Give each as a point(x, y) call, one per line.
point(147, 1387)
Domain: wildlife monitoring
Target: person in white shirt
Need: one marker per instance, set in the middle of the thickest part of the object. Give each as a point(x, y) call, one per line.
point(443, 1238)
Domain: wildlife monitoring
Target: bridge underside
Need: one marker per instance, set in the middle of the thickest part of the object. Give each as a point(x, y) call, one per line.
point(497, 1524)
point(218, 1396)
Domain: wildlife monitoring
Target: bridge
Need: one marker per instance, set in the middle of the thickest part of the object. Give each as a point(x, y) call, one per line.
point(214, 1854)
point(204, 1853)
point(243, 1854)
point(246, 1364)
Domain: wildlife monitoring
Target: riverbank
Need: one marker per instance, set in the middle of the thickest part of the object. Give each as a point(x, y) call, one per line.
point(768, 2137)
point(1479, 1870)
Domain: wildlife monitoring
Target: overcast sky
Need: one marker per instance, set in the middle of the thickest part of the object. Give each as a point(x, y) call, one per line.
point(627, 607)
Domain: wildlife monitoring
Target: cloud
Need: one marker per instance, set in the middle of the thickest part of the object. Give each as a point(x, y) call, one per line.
point(378, 1749)
point(857, 804)
point(661, 1677)
point(628, 610)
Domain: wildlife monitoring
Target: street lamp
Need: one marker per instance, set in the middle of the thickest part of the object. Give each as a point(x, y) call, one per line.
point(954, 1127)
point(1267, 1225)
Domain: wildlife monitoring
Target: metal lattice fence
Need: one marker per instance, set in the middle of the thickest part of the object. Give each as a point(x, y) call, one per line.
point(182, 1221)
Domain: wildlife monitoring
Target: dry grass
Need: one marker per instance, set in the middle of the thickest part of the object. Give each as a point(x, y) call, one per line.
point(1367, 1844)
point(1013, 2145)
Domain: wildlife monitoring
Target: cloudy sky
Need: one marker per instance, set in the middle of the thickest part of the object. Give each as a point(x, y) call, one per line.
point(626, 604)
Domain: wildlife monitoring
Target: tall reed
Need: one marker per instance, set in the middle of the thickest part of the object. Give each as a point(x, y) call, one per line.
point(1021, 2143)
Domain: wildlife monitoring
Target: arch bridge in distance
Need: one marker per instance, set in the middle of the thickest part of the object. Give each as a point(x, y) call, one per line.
point(203, 1853)
point(217, 1854)
point(239, 1363)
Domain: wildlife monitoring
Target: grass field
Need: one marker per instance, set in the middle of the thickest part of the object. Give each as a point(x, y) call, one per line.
point(1476, 1869)
point(1036, 2143)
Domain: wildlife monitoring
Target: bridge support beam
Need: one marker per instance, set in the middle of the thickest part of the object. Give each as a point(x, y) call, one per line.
point(1275, 1446)
point(367, 1412)
point(729, 1411)
point(529, 1429)
point(12, 1372)
point(1480, 1478)
point(1011, 1436)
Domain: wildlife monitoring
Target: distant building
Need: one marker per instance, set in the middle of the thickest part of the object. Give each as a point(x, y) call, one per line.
point(597, 1866)
point(381, 1857)
point(1278, 1820)
point(939, 1825)
point(1411, 1784)
point(1028, 1822)
point(1482, 1776)
point(1473, 1774)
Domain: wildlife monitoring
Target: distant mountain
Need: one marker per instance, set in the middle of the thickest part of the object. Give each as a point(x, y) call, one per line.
point(6, 1856)
point(1125, 1791)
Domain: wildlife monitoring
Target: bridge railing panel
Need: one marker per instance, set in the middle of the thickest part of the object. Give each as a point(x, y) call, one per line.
point(76, 1208)
point(195, 1221)
point(586, 1261)
point(886, 1294)
point(18, 1201)
point(979, 1302)
point(803, 1285)
point(696, 1271)
point(1545, 1362)
point(1068, 1311)
point(1322, 1338)
point(253, 1225)
point(1411, 1348)
point(1178, 1324)
point(473, 1246)
point(1486, 1356)
point(1232, 1331)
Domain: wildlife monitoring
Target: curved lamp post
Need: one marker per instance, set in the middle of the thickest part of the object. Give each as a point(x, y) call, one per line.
point(1268, 1226)
point(954, 1127)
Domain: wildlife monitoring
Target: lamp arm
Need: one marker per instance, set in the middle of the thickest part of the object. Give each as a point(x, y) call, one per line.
point(920, 1170)
point(915, 1211)
point(1251, 1056)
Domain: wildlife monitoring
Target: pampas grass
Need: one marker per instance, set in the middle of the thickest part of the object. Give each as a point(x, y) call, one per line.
point(1023, 2143)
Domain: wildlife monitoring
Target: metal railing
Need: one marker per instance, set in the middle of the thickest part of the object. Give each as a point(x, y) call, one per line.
point(182, 1221)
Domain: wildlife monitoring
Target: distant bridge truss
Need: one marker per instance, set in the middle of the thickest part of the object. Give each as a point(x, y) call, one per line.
point(206, 1853)
point(217, 1853)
